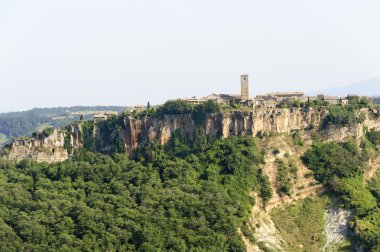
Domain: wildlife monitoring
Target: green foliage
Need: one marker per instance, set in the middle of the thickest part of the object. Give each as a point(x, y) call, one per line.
point(367, 214)
point(373, 136)
point(48, 131)
point(302, 223)
point(17, 124)
point(200, 111)
point(359, 102)
point(172, 200)
point(197, 112)
point(276, 151)
point(341, 166)
point(343, 116)
point(110, 132)
point(174, 107)
point(266, 191)
point(374, 185)
point(247, 232)
point(296, 137)
point(318, 103)
point(327, 160)
point(283, 177)
point(290, 103)
point(3, 138)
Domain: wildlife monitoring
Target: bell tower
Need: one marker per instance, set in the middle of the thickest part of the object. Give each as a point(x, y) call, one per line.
point(244, 87)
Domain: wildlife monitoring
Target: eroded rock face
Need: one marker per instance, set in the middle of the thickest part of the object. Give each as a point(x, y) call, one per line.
point(131, 132)
point(40, 148)
point(224, 124)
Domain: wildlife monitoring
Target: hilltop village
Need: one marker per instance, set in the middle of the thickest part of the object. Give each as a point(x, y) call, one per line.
point(270, 100)
point(263, 101)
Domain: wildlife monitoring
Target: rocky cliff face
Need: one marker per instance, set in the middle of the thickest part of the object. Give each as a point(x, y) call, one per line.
point(40, 148)
point(129, 132)
point(224, 124)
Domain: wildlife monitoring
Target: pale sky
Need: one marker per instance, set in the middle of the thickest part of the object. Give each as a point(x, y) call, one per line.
point(126, 52)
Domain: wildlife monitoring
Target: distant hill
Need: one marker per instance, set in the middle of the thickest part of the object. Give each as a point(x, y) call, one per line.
point(16, 124)
point(369, 87)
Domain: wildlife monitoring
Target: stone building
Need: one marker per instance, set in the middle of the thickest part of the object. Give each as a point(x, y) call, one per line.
point(244, 88)
point(242, 98)
point(265, 102)
point(104, 116)
point(287, 95)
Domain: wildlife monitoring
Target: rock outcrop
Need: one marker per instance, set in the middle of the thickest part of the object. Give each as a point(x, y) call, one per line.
point(40, 148)
point(224, 124)
point(129, 132)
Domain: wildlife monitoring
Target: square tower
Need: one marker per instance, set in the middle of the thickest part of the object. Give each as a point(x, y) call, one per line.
point(244, 87)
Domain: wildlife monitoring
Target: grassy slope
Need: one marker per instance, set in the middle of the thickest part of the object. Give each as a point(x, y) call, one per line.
point(302, 224)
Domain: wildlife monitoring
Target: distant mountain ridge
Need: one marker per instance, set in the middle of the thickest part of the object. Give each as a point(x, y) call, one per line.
point(370, 87)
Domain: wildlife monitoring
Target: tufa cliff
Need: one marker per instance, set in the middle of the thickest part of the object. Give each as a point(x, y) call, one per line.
point(40, 148)
point(125, 133)
point(223, 124)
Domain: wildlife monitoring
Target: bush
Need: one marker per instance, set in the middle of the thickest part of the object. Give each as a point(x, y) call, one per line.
point(343, 116)
point(373, 136)
point(266, 191)
point(48, 131)
point(174, 107)
point(200, 111)
point(332, 159)
point(283, 178)
point(297, 140)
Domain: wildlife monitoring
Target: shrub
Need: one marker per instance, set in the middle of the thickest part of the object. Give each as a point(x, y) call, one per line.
point(332, 159)
point(283, 179)
point(174, 107)
point(200, 111)
point(48, 131)
point(373, 136)
point(343, 116)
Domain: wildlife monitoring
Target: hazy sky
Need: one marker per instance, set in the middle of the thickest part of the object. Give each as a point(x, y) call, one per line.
point(126, 52)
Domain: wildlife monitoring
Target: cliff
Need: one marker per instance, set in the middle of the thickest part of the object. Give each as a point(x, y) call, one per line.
point(40, 148)
point(224, 124)
point(126, 133)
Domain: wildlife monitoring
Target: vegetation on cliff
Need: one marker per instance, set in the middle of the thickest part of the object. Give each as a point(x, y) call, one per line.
point(341, 166)
point(24, 123)
point(179, 107)
point(302, 224)
point(170, 198)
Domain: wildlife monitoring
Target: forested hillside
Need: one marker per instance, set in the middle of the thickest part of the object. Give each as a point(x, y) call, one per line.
point(198, 194)
point(342, 166)
point(178, 197)
point(24, 123)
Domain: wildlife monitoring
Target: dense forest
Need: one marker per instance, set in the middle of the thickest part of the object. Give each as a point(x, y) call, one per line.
point(178, 197)
point(24, 123)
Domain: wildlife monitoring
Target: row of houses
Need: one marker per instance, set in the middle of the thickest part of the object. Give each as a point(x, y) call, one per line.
point(267, 101)
point(272, 100)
